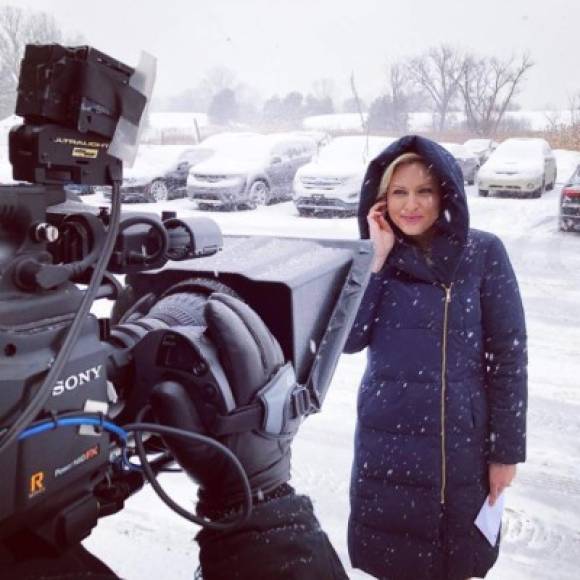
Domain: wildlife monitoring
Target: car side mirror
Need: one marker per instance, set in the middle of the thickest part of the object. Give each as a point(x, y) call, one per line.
point(275, 160)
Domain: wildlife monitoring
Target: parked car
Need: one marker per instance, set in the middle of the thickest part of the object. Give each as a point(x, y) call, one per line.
point(569, 215)
point(520, 166)
point(321, 138)
point(332, 182)
point(468, 162)
point(249, 173)
point(77, 189)
point(481, 148)
point(160, 171)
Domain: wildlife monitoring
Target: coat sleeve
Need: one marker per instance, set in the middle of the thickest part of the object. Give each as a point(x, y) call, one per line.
point(361, 329)
point(505, 344)
point(282, 540)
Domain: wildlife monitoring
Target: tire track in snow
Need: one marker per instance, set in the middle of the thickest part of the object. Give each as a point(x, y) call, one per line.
point(527, 535)
point(561, 420)
point(550, 482)
point(547, 264)
point(552, 253)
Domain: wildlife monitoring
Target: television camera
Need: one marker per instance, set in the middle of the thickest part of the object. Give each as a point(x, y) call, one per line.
point(73, 387)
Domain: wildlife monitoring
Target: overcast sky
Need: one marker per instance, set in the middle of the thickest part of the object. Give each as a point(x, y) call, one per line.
point(280, 45)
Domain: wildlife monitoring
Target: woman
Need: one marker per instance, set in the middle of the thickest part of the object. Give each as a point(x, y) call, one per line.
point(442, 403)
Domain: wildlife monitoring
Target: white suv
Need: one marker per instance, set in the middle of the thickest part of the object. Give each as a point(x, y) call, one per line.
point(332, 182)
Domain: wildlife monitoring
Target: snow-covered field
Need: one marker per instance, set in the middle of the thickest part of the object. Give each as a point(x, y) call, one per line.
point(541, 535)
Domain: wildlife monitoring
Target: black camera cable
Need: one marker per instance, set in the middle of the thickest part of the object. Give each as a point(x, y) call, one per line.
point(39, 399)
point(139, 427)
point(76, 419)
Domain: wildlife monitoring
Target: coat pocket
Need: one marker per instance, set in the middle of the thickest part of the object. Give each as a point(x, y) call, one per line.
point(479, 407)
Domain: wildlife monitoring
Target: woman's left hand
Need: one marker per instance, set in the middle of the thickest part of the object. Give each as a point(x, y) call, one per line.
point(500, 477)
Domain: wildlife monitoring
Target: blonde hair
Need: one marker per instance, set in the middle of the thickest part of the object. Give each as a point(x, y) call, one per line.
point(404, 159)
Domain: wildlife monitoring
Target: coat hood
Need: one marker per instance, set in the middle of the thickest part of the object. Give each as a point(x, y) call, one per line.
point(452, 225)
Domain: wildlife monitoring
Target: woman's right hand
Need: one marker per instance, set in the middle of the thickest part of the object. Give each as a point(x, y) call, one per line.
point(381, 234)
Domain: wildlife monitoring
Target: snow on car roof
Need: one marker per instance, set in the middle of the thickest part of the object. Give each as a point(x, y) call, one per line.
point(154, 160)
point(526, 145)
point(351, 147)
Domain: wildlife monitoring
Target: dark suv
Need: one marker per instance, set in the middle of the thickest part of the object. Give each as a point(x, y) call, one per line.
point(569, 217)
point(250, 172)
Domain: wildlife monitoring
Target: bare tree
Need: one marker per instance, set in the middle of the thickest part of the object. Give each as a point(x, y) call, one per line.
point(488, 86)
point(359, 106)
point(574, 108)
point(390, 112)
point(323, 89)
point(437, 72)
point(217, 79)
point(553, 120)
point(398, 85)
point(17, 29)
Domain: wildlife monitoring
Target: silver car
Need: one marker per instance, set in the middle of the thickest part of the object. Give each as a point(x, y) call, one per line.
point(250, 172)
point(481, 148)
point(520, 167)
point(468, 162)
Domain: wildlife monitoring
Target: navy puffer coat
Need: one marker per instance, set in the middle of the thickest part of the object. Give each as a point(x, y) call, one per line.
point(443, 394)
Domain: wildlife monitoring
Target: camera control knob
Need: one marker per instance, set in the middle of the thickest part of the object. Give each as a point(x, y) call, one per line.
point(44, 232)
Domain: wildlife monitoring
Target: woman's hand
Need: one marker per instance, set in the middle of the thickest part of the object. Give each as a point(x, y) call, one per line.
point(381, 234)
point(500, 477)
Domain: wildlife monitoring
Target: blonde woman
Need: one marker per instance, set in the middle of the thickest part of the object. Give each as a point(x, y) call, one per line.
point(442, 403)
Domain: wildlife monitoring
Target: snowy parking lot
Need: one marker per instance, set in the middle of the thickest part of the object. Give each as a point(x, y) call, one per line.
point(541, 533)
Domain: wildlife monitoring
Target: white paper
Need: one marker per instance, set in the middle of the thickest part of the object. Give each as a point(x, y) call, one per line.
point(488, 519)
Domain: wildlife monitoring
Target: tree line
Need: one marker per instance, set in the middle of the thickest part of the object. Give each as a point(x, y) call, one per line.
point(442, 79)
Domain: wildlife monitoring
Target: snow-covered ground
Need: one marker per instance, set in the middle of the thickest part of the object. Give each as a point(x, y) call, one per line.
point(541, 535)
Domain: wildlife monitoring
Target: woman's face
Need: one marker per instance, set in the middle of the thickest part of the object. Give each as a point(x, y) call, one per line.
point(413, 200)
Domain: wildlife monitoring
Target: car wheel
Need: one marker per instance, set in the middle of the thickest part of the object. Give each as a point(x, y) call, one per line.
point(203, 206)
point(158, 191)
point(259, 194)
point(471, 181)
point(565, 226)
point(540, 190)
point(482, 192)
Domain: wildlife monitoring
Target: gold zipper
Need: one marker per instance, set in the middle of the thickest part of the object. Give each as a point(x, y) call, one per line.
point(444, 388)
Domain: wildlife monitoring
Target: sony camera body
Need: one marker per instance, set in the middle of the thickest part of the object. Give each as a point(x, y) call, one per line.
point(63, 458)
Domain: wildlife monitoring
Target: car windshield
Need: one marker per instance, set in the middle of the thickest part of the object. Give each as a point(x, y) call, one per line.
point(516, 148)
point(197, 155)
point(575, 179)
point(252, 151)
